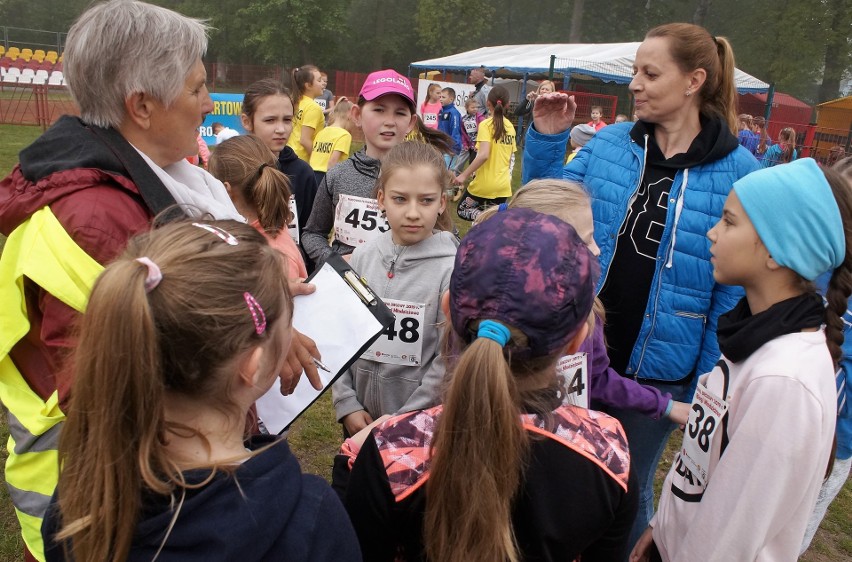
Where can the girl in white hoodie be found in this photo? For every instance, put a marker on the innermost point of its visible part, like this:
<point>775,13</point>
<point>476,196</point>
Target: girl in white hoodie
<point>759,436</point>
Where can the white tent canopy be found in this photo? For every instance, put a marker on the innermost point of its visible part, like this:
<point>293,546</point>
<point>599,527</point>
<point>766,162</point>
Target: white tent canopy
<point>609,62</point>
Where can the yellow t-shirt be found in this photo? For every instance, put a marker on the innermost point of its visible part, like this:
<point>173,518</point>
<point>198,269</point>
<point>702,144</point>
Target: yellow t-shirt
<point>494,178</point>
<point>325,143</point>
<point>308,115</point>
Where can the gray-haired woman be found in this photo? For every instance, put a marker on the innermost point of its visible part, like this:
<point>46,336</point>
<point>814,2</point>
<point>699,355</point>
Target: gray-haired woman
<point>78,194</point>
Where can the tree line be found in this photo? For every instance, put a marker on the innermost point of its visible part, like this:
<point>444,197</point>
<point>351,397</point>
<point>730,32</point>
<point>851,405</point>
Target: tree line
<point>803,46</point>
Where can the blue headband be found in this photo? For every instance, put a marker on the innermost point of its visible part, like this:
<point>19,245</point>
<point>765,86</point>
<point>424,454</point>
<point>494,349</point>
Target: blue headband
<point>796,216</point>
<point>494,331</point>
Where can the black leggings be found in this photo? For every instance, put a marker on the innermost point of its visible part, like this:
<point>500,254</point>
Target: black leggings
<point>471,206</point>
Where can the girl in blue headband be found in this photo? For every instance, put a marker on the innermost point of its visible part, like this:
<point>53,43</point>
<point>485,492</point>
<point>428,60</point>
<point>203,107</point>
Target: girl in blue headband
<point>761,427</point>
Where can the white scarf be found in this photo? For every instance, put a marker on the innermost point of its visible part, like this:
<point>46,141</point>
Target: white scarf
<point>195,190</point>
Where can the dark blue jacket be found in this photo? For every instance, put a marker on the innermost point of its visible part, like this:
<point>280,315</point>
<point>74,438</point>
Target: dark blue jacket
<point>266,510</point>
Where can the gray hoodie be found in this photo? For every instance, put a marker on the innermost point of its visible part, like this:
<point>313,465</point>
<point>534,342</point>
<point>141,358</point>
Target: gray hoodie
<point>421,274</point>
<point>354,176</point>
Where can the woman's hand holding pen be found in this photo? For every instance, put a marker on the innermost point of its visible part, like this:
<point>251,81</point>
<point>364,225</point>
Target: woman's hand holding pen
<point>303,354</point>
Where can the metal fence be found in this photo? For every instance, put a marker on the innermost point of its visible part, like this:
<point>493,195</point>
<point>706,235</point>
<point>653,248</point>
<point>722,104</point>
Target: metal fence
<point>35,104</point>
<point>32,39</point>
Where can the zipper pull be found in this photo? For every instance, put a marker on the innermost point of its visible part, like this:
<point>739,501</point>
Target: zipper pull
<point>390,271</point>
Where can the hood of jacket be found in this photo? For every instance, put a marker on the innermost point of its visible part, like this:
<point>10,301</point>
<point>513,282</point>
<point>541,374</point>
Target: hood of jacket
<point>366,165</point>
<point>67,158</point>
<point>714,142</point>
<point>441,244</point>
<point>220,521</point>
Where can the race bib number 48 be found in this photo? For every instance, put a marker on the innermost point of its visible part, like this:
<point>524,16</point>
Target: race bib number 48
<point>402,342</point>
<point>358,220</point>
<point>573,372</point>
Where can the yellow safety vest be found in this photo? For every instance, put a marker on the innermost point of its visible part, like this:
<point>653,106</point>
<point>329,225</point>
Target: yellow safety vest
<point>42,251</point>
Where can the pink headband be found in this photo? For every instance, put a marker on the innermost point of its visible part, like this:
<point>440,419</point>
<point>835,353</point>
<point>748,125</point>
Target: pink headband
<point>154,274</point>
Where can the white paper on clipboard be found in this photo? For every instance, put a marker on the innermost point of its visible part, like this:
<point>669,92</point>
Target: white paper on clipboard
<point>337,320</point>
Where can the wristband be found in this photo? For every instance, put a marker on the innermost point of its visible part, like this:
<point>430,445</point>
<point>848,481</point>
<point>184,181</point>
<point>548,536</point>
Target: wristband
<point>669,408</point>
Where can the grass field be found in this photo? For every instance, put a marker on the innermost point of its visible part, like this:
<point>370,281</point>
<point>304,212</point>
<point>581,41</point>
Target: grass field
<point>316,436</point>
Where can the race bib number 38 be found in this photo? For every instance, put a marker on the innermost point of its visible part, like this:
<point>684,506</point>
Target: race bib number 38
<point>573,370</point>
<point>705,418</point>
<point>402,342</point>
<point>358,220</point>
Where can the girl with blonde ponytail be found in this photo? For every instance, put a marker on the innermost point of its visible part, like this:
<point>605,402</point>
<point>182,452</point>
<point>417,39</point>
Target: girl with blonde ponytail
<point>182,334</point>
<point>483,477</point>
<point>261,193</point>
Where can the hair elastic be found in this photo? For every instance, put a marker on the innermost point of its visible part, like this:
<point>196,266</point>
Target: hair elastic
<point>154,276</point>
<point>502,207</point>
<point>495,331</point>
<point>499,102</point>
<point>226,236</point>
<point>256,313</point>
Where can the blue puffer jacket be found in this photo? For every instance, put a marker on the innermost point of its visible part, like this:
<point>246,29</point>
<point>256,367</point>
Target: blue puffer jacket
<point>678,336</point>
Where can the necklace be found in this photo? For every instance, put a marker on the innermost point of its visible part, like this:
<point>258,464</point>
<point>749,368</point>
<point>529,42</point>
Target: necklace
<point>394,260</point>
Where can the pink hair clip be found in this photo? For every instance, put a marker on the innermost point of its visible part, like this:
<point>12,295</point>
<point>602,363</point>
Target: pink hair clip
<point>226,236</point>
<point>256,313</point>
<point>154,276</point>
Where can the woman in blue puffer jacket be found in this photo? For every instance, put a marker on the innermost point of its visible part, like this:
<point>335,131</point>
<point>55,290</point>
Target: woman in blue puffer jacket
<point>657,187</point>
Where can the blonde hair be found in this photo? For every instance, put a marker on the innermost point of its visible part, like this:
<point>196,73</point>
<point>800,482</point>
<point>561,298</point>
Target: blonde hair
<point>340,115</point>
<point>250,167</point>
<point>135,348</point>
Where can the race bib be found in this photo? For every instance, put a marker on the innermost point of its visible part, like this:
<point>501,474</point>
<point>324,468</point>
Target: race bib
<point>358,220</point>
<point>402,342</point>
<point>321,103</point>
<point>705,418</point>
<point>471,126</point>
<point>293,227</point>
<point>573,372</point>
<point>430,119</point>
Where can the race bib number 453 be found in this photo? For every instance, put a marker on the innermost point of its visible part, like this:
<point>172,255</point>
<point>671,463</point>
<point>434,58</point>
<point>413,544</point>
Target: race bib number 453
<point>358,220</point>
<point>402,342</point>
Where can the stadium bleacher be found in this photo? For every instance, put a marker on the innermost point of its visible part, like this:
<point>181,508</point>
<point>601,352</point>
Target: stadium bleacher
<point>27,66</point>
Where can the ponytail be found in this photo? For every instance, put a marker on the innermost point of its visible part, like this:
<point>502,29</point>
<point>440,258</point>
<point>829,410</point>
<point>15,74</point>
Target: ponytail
<point>434,137</point>
<point>300,77</point>
<point>498,97</point>
<point>119,395</point>
<point>480,445</point>
<point>270,195</point>
<point>249,167</point>
<point>724,100</point>
<point>840,285</point>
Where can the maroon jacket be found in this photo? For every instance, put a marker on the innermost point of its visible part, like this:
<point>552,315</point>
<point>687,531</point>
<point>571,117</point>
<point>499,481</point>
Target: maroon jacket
<point>89,177</point>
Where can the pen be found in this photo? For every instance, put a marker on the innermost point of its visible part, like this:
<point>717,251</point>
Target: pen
<point>320,364</point>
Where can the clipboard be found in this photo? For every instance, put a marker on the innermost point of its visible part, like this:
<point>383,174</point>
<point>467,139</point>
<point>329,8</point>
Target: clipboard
<point>344,317</point>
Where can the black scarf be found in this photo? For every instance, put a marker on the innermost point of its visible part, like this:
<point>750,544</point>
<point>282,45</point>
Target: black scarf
<point>741,333</point>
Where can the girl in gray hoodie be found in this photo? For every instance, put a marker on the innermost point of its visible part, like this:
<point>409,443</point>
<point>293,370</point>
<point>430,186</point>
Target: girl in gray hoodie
<point>409,267</point>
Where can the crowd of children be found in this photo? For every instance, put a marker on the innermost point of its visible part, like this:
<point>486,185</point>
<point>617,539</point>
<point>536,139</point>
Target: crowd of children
<point>474,426</point>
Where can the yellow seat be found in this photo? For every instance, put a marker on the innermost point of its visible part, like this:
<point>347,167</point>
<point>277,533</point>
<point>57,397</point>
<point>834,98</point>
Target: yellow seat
<point>27,54</point>
<point>38,55</point>
<point>51,56</point>
<point>2,50</point>
<point>13,53</point>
